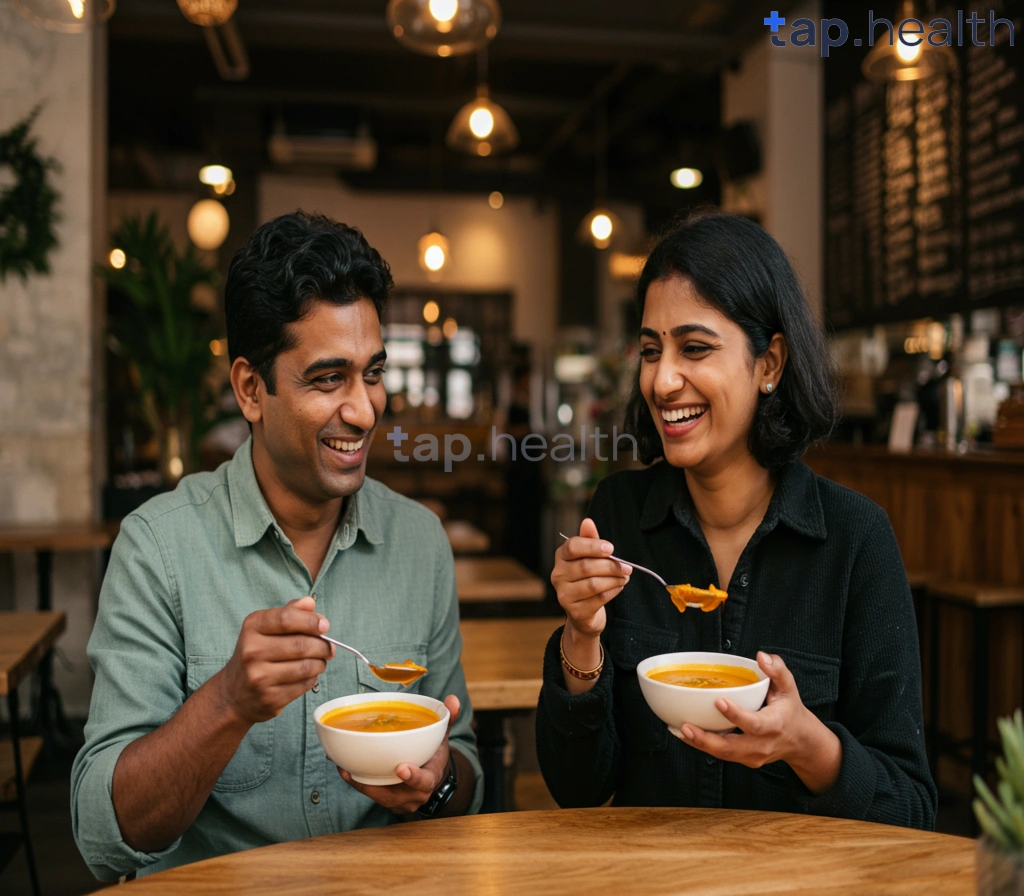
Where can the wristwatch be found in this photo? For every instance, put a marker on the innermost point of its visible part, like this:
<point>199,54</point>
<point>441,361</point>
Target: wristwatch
<point>440,797</point>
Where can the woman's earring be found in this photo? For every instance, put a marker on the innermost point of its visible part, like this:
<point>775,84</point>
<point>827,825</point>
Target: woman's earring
<point>768,387</point>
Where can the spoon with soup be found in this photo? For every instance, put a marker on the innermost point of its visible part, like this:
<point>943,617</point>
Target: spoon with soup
<point>396,673</point>
<point>683,596</point>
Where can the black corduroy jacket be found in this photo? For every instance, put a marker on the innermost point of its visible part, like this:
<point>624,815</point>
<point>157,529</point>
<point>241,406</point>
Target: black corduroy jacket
<point>820,583</point>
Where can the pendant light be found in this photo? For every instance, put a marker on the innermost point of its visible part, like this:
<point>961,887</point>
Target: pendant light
<point>482,127</point>
<point>432,250</point>
<point>601,225</point>
<point>444,27</point>
<point>70,16</point>
<point>898,61</point>
<point>208,13</point>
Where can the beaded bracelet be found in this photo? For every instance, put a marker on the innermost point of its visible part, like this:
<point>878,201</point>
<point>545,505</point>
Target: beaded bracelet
<point>580,673</point>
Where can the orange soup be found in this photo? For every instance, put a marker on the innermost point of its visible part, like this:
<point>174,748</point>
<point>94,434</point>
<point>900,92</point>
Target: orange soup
<point>704,675</point>
<point>380,715</point>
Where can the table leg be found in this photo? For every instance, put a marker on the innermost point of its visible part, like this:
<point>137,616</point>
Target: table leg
<point>490,738</point>
<point>933,688</point>
<point>48,708</point>
<point>20,784</point>
<point>980,747</point>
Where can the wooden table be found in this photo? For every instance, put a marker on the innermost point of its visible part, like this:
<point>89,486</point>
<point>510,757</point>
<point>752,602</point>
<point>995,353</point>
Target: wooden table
<point>465,538</point>
<point>25,639</point>
<point>44,541</point>
<point>647,852</point>
<point>503,660</point>
<point>488,579</point>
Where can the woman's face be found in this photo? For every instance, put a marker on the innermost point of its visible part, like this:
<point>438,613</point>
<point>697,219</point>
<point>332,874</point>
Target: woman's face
<point>698,377</point>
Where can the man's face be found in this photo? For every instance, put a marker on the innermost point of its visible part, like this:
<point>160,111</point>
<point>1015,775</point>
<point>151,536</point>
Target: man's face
<point>317,428</point>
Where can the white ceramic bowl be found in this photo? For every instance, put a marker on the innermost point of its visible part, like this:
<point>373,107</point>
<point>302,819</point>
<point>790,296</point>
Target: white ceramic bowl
<point>371,757</point>
<point>676,705</point>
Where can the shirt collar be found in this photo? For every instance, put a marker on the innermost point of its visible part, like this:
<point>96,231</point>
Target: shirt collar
<point>252,517</point>
<point>795,501</point>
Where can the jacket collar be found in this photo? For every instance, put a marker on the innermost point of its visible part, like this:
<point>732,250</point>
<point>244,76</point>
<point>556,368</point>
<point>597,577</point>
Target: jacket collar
<point>795,502</point>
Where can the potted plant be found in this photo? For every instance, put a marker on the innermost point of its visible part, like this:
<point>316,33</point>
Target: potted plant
<point>1001,816</point>
<point>165,337</point>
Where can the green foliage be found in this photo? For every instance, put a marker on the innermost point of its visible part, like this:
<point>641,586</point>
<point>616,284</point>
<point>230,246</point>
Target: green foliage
<point>1001,815</point>
<point>159,330</point>
<point>27,207</point>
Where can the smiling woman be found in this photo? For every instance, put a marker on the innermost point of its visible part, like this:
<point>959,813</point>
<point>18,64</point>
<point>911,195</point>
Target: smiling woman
<point>734,383</point>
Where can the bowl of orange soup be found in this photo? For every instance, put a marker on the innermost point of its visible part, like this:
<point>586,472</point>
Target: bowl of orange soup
<point>370,735</point>
<point>683,687</point>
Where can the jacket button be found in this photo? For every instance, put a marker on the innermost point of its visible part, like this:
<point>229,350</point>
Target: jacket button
<point>727,644</point>
<point>315,797</point>
<point>744,580</point>
<point>710,760</point>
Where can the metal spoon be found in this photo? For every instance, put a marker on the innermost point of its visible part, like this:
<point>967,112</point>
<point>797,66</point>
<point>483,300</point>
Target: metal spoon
<point>397,673</point>
<point>670,588</point>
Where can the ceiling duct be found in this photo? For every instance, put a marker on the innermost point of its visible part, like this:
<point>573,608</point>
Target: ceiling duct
<point>351,152</point>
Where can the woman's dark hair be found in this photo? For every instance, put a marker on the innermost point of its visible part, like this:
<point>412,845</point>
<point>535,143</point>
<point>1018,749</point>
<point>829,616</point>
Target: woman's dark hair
<point>287,265</point>
<point>738,269</point>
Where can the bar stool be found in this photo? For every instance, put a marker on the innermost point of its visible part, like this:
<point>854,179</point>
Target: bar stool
<point>981,599</point>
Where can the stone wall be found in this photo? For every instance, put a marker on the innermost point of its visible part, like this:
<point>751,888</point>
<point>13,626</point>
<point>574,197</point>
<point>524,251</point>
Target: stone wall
<point>48,413</point>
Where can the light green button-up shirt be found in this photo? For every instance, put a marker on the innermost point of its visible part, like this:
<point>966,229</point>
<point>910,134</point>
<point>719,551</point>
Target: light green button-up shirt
<point>185,571</point>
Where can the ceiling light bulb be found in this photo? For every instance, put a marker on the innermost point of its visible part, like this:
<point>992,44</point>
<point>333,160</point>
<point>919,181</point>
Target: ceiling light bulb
<point>117,258</point>
<point>481,122</point>
<point>601,227</point>
<point>215,175</point>
<point>906,52</point>
<point>686,178</point>
<point>433,258</point>
<point>433,253</point>
<point>77,8</point>
<point>444,10</point>
<point>431,311</point>
<point>496,200</point>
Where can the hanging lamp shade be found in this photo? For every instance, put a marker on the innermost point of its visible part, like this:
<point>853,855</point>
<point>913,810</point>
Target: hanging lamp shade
<point>70,16</point>
<point>444,27</point>
<point>899,61</point>
<point>208,224</point>
<point>482,128</point>
<point>208,13</point>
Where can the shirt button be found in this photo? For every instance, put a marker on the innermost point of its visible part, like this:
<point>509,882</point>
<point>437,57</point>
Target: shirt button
<point>744,580</point>
<point>315,797</point>
<point>313,595</point>
<point>728,644</point>
<point>316,688</point>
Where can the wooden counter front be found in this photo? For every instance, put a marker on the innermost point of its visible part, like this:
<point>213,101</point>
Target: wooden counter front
<point>956,517</point>
<point>960,516</point>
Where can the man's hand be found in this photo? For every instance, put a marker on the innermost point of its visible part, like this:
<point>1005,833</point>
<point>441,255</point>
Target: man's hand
<point>783,729</point>
<point>417,783</point>
<point>278,657</point>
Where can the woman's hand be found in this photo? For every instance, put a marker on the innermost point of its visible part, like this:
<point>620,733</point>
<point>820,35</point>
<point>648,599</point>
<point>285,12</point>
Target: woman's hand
<point>585,580</point>
<point>782,730</point>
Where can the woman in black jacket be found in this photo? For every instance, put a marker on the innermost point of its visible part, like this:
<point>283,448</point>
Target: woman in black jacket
<point>735,382</point>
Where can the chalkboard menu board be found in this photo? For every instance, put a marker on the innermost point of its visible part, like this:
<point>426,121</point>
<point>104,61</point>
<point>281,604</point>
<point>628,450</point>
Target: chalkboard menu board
<point>924,180</point>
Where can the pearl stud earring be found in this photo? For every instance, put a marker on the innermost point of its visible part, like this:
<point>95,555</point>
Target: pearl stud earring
<point>768,387</point>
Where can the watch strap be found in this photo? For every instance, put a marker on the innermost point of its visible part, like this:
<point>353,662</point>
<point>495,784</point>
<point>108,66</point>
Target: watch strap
<point>445,791</point>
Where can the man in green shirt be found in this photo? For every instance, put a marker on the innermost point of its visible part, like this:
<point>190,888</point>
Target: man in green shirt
<point>200,739</point>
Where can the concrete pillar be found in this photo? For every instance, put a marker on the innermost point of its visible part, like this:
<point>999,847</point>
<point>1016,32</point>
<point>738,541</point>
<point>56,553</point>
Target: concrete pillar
<point>781,90</point>
<point>49,331</point>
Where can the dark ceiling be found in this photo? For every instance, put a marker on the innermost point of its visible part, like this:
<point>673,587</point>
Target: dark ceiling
<point>332,65</point>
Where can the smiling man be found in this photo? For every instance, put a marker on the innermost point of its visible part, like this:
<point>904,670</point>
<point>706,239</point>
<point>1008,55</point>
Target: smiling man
<point>206,649</point>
